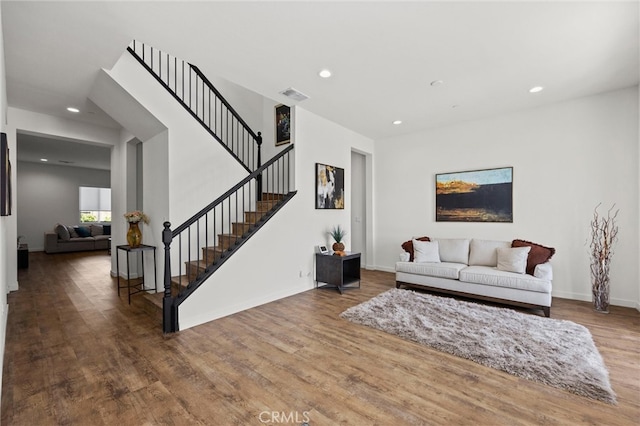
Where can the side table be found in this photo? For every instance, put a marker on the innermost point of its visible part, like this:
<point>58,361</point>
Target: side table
<point>23,256</point>
<point>136,287</point>
<point>339,272</point>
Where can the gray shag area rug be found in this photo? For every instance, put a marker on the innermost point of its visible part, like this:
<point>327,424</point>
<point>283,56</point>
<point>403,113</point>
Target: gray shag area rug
<point>554,352</point>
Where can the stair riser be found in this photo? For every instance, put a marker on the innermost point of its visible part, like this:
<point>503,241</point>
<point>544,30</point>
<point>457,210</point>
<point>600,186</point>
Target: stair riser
<point>226,241</point>
<point>240,228</point>
<point>177,285</point>
<point>211,254</point>
<point>192,271</point>
<point>265,206</point>
<point>269,196</point>
<point>252,217</point>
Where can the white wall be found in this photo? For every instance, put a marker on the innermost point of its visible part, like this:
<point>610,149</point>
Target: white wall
<point>268,267</point>
<point>7,245</point>
<point>48,194</point>
<point>567,158</point>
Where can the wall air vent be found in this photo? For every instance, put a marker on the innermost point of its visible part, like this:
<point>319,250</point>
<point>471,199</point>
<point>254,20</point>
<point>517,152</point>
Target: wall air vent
<point>292,93</point>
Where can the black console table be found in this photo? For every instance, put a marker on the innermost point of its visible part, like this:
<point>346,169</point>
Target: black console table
<point>339,272</point>
<point>133,288</point>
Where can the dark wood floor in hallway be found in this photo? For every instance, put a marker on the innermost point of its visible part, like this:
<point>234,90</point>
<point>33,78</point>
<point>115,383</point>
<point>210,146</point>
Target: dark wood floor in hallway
<point>77,354</point>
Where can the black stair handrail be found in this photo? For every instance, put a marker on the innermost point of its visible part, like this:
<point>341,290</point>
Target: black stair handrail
<point>195,92</point>
<point>277,182</point>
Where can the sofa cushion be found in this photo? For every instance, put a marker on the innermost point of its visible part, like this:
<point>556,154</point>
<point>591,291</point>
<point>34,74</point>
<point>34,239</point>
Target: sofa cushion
<point>455,250</point>
<point>483,252</point>
<point>442,270</point>
<point>96,230</point>
<point>81,240</point>
<point>408,246</point>
<point>83,231</point>
<point>63,232</point>
<point>513,259</point>
<point>538,254</point>
<point>492,276</point>
<point>72,231</point>
<point>425,251</point>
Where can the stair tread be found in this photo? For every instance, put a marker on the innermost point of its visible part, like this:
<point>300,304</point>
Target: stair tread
<point>198,263</point>
<point>180,279</point>
<point>155,299</point>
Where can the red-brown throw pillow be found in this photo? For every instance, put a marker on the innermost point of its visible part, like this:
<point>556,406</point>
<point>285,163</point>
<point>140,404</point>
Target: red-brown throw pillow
<point>408,246</point>
<point>538,254</point>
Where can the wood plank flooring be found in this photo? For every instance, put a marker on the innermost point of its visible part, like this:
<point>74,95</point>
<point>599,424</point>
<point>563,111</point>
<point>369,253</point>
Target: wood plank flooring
<point>77,354</point>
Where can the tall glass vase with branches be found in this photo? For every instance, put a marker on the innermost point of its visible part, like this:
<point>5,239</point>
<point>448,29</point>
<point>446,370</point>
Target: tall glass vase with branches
<point>604,235</point>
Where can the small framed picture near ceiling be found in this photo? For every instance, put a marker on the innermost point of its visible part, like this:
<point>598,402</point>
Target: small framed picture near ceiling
<point>475,196</point>
<point>329,187</point>
<point>283,124</point>
<point>5,177</point>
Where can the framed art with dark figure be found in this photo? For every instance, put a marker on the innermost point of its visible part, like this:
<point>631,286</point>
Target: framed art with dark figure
<point>329,187</point>
<point>283,124</point>
<point>5,177</point>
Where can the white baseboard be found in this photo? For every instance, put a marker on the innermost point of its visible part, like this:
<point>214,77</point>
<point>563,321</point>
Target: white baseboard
<point>587,298</point>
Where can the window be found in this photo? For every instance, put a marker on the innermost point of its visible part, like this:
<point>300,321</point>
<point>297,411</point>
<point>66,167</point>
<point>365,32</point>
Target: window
<point>95,204</point>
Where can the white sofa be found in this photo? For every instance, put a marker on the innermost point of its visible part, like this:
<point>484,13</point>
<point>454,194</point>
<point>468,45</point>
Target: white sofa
<point>481,269</point>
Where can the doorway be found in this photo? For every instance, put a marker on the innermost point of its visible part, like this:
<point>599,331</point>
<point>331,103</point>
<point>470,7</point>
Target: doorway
<point>359,191</point>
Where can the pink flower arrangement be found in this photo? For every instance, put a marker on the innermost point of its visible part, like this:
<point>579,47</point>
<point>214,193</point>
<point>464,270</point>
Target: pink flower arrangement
<point>136,216</point>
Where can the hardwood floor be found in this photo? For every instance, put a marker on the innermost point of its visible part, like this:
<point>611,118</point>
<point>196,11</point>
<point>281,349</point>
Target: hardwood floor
<point>77,354</point>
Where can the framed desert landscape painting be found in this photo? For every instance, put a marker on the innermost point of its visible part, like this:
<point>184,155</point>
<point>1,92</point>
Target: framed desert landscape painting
<point>475,196</point>
<point>329,187</point>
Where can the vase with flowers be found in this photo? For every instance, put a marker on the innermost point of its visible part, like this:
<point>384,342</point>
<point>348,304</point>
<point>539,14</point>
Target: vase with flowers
<point>338,233</point>
<point>134,234</point>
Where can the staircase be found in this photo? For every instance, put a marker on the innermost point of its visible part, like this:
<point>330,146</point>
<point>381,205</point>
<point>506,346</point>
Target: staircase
<point>226,242</point>
<point>213,255</point>
<point>201,245</point>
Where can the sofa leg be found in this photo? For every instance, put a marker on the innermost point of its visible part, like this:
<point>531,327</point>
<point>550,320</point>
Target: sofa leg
<point>547,311</point>
<point>397,284</point>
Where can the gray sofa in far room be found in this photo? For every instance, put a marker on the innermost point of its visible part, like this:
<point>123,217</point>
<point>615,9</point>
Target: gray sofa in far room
<point>65,239</point>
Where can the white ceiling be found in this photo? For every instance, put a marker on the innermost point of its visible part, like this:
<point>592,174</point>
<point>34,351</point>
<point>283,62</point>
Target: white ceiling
<point>33,148</point>
<point>383,55</point>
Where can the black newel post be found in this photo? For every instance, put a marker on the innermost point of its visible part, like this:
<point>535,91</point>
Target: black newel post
<point>169,314</point>
<point>259,177</point>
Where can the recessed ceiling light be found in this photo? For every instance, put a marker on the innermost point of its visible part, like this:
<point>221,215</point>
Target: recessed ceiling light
<point>436,82</point>
<point>44,160</point>
<point>72,109</point>
<point>397,122</point>
<point>536,89</point>
<point>324,73</point>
